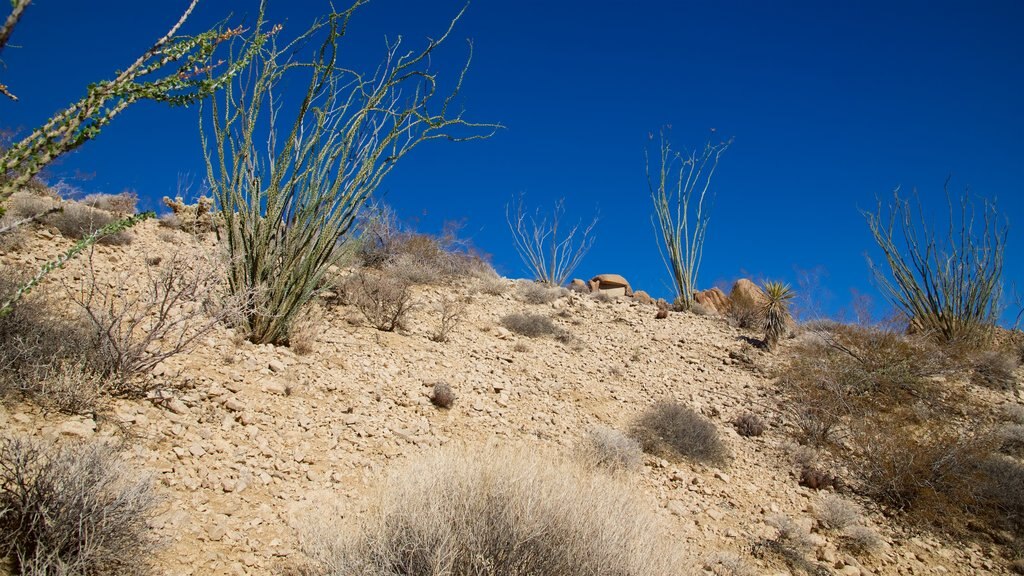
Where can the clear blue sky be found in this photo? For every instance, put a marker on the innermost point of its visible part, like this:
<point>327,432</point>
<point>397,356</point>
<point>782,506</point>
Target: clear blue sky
<point>831,104</point>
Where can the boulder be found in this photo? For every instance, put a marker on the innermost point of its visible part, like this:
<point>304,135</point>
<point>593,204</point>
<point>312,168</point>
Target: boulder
<point>713,299</point>
<point>605,282</point>
<point>578,285</point>
<point>746,294</point>
<point>643,297</point>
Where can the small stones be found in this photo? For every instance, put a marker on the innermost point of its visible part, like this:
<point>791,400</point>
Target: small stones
<point>234,404</point>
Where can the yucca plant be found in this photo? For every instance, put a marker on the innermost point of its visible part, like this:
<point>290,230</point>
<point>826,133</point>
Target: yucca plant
<point>775,311</point>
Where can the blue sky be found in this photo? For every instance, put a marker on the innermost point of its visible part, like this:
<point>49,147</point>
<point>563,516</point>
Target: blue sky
<point>830,103</point>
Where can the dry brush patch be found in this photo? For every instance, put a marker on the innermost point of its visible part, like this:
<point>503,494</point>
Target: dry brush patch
<point>670,429</point>
<point>491,511</point>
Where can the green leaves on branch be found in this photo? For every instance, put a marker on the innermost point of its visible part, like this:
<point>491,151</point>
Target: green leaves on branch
<point>680,192</point>
<point>288,194</point>
<point>176,70</point>
<point>947,285</point>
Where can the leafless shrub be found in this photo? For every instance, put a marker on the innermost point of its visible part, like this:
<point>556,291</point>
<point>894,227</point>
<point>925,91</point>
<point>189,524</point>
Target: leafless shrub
<point>303,330</point>
<point>745,315</point>
<point>496,512</point>
<point>72,509</point>
<point>537,293</point>
<point>442,395</point>
<point>817,419</point>
<point>548,250</point>
<point>70,386</point>
<point>800,455</point>
<point>749,424</point>
<point>673,430</point>
<point>861,539</point>
<point>136,331</point>
<point>122,204</point>
<point>78,221</point>
<point>836,513</point>
<point>384,300</point>
<point>451,313</point>
<point>995,369</point>
<point>609,448</point>
<point>532,325</point>
<point>791,535</point>
<point>521,347</point>
<point>493,285</point>
<point>1014,413</point>
<point>1011,439</point>
<point>1002,490</point>
<point>603,297</point>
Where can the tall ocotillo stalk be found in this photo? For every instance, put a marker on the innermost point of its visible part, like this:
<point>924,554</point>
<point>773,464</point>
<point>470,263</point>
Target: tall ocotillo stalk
<point>680,192</point>
<point>17,9</point>
<point>176,70</point>
<point>287,200</point>
<point>948,287</point>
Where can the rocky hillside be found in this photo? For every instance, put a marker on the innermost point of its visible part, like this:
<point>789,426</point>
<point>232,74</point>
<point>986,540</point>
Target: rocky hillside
<point>243,441</point>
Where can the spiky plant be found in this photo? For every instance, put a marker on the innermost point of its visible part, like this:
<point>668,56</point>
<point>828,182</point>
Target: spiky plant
<point>775,312</point>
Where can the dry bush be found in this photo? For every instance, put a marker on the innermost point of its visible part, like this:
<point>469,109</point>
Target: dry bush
<point>469,512</point>
<point>135,331</point>
<point>451,312</point>
<point>44,355</point>
<point>442,395</point>
<point>603,297</point>
<point>78,221</point>
<point>836,513</point>
<point>749,424</point>
<point>1014,413</point>
<point>1011,439</point>
<point>670,429</point>
<point>531,325</point>
<point>728,564</point>
<point>23,205</point>
<point>995,369</point>
<point>861,539</point>
<point>793,544</point>
<point>1002,490</point>
<point>537,293</point>
<point>745,315</point>
<point>384,300</point>
<point>701,310</point>
<point>123,204</point>
<point>609,448</point>
<point>303,330</point>
<point>72,509</point>
<point>493,285</point>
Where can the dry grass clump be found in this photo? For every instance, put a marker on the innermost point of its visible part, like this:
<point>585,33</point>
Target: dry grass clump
<point>728,564</point>
<point>670,429</point>
<point>836,513</point>
<point>72,509</point>
<point>442,395</point>
<point>78,221</point>
<point>610,448</point>
<point>493,285</point>
<point>1011,439</point>
<point>538,293</point>
<point>469,512</point>
<point>123,204</point>
<point>995,369</point>
<point>384,300</point>
<point>793,543</point>
<point>531,325</point>
<point>749,424</point>
<point>861,539</point>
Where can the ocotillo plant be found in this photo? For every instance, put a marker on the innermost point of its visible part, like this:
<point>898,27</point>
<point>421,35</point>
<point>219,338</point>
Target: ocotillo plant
<point>176,70</point>
<point>775,312</point>
<point>288,200</point>
<point>550,252</point>
<point>948,286</point>
<point>680,192</point>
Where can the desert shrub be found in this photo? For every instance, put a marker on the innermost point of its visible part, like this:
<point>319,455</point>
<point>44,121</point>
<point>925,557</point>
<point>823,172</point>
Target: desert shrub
<point>746,315</point>
<point>122,204</point>
<point>948,284</point>
<point>442,395</point>
<point>1014,413</point>
<point>466,512</point>
<point>836,513</point>
<point>384,300</point>
<point>72,509</point>
<point>670,429</point>
<point>135,331</point>
<point>78,221</point>
<point>537,293</point>
<point>603,297</point>
<point>451,312</point>
<point>861,539</point>
<point>45,356</point>
<point>775,312</point>
<point>611,449</point>
<point>493,285</point>
<point>197,218</point>
<point>1011,439</point>
<point>1002,488</point>
<point>302,334</point>
<point>701,310</point>
<point>995,369</point>
<point>532,325</point>
<point>548,250</point>
<point>792,543</point>
<point>728,564</point>
<point>749,425</point>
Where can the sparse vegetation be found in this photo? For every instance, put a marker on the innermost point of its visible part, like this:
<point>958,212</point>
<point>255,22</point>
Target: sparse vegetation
<point>384,300</point>
<point>775,312</point>
<point>122,204</point>
<point>451,311</point>
<point>548,251</point>
<point>670,429</point>
<point>749,424</point>
<point>538,293</point>
<point>836,513</point>
<point>531,325</point>
<point>947,284</point>
<point>496,512</point>
<point>72,509</point>
<point>442,395</point>
<point>610,448</point>
<point>78,221</point>
<point>679,190</point>
<point>995,369</point>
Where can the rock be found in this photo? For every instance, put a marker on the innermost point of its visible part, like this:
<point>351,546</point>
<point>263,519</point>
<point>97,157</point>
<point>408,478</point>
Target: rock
<point>677,508</point>
<point>196,450</point>
<point>177,406</point>
<point>579,286</point>
<point>613,284</point>
<point>235,405</point>
<point>276,366</point>
<point>713,299</point>
<point>746,294</point>
<point>78,428</point>
<point>275,387</point>
<point>643,297</point>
